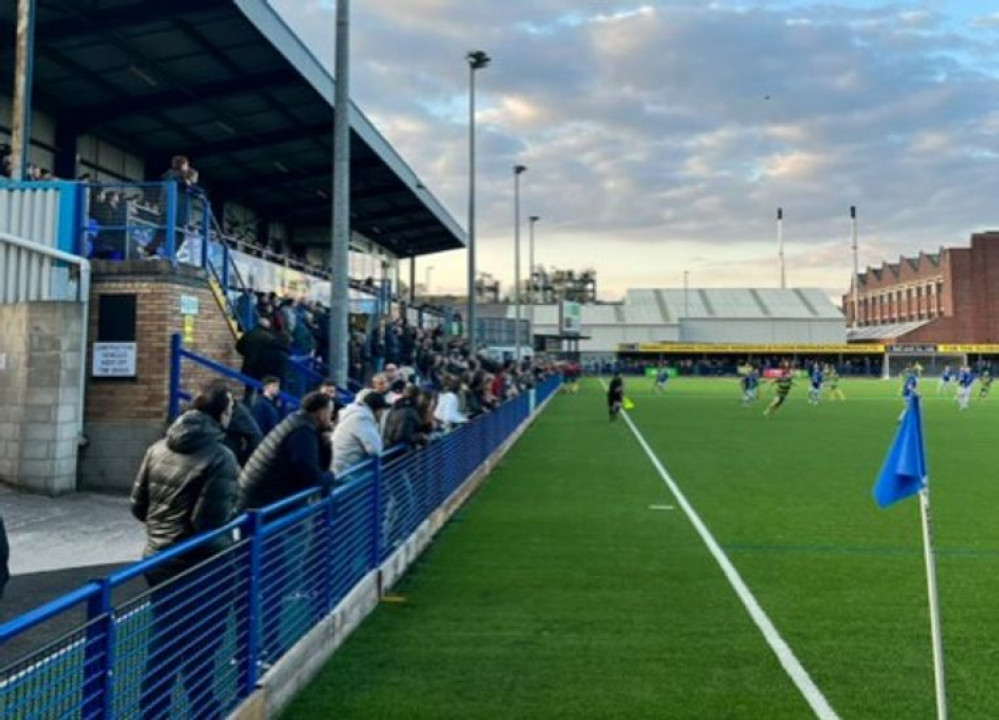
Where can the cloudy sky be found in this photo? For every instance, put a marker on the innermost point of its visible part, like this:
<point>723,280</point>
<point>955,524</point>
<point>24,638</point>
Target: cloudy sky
<point>662,136</point>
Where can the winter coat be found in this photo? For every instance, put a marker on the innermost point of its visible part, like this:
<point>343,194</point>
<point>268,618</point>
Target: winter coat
<point>186,485</point>
<point>403,425</point>
<point>267,414</point>
<point>263,353</point>
<point>356,438</point>
<point>243,434</point>
<point>286,463</point>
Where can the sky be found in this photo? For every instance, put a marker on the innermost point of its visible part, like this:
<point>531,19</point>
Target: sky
<point>661,137</point>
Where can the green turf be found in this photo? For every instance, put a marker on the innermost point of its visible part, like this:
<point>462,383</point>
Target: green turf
<point>558,592</point>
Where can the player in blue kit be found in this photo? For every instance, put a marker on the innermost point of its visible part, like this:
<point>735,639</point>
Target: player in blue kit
<point>965,380</point>
<point>945,379</point>
<point>662,378</point>
<point>815,390</point>
<point>749,384</point>
<point>910,387</point>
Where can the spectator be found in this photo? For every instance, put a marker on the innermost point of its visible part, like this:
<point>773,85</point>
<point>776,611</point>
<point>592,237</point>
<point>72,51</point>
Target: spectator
<point>357,436</point>
<point>447,412</point>
<point>246,310</point>
<point>186,486</point>
<point>186,483</point>
<point>288,460</point>
<point>263,352</point>
<point>405,423</point>
<point>242,435</point>
<point>185,178</point>
<point>265,410</point>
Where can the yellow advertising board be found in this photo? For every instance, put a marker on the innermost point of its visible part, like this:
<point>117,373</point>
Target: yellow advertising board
<point>974,349</point>
<point>694,349</point>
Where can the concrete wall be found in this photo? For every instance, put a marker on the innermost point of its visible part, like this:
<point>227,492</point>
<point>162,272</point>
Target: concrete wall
<point>40,395</point>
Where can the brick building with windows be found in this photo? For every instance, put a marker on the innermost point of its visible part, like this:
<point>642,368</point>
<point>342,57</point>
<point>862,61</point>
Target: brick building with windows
<point>947,297</point>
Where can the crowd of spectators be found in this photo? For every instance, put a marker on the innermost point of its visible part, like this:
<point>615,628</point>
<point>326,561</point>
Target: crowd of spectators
<point>223,455</point>
<point>34,174</point>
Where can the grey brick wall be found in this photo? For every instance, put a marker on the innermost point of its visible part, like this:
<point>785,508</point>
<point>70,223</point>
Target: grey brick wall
<point>39,395</point>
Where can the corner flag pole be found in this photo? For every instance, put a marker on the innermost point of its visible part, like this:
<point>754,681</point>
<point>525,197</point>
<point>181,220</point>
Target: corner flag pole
<point>904,474</point>
<point>934,598</point>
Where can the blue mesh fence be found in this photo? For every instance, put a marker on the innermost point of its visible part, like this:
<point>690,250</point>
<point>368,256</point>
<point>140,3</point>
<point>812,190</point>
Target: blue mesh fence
<point>156,642</point>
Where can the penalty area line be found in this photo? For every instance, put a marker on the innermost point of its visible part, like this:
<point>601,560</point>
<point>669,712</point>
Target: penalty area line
<point>788,660</point>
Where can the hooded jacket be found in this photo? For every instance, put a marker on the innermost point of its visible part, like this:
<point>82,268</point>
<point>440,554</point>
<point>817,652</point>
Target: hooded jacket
<point>186,486</point>
<point>356,438</point>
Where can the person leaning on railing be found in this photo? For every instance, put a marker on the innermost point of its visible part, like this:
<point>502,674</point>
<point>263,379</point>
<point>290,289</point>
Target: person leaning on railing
<point>186,484</point>
<point>288,460</point>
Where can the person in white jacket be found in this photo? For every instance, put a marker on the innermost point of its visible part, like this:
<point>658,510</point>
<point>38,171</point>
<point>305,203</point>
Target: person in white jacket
<point>358,435</point>
<point>448,411</point>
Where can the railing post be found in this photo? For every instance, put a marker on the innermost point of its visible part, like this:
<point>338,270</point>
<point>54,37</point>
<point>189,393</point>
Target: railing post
<point>175,348</point>
<point>329,552</point>
<point>225,269</point>
<point>170,226</point>
<point>253,618</point>
<point>378,541</point>
<point>99,656</point>
<point>206,229</point>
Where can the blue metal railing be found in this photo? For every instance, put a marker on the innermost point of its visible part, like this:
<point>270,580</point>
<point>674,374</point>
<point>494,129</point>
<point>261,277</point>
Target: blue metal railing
<point>177,394</point>
<point>195,644</point>
<point>305,374</point>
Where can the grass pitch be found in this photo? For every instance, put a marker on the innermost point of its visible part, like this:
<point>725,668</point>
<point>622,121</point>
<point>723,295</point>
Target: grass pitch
<point>559,592</point>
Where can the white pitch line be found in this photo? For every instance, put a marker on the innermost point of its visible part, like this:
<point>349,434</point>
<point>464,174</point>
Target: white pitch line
<point>661,507</point>
<point>788,660</point>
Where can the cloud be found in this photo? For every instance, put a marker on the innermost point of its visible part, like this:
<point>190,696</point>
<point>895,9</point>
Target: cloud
<point>656,128</point>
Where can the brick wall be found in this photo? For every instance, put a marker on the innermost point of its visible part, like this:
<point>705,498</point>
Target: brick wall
<point>40,395</point>
<point>968,284</point>
<point>123,417</point>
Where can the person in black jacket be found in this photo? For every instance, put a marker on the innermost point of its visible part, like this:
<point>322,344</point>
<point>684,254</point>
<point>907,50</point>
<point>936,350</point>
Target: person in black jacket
<point>265,410</point>
<point>243,435</point>
<point>287,461</point>
<point>186,486</point>
<point>264,353</point>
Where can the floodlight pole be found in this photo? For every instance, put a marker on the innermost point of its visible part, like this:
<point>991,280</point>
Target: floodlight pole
<point>530,274</point>
<point>340,250</point>
<point>518,170</point>
<point>686,293</point>
<point>856,269</point>
<point>23,82</point>
<point>780,247</point>
<point>477,60</point>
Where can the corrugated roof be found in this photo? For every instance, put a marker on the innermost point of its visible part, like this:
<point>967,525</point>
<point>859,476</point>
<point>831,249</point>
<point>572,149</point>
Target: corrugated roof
<point>885,332</point>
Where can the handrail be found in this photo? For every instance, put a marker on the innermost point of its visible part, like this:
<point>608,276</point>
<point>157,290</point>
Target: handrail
<point>33,618</point>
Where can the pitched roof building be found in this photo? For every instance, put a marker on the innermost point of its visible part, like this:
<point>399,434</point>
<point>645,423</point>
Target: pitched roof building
<point>951,296</point>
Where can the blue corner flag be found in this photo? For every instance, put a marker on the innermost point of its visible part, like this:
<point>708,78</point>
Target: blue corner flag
<point>904,470</point>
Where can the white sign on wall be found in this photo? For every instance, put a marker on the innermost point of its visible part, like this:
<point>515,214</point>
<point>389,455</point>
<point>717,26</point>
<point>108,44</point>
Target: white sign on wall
<point>188,305</point>
<point>114,360</point>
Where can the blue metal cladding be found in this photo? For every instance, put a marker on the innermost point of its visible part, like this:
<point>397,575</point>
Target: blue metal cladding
<point>194,645</point>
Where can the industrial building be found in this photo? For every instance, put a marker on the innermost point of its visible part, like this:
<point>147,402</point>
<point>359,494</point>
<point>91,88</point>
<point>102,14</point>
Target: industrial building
<point>704,316</point>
